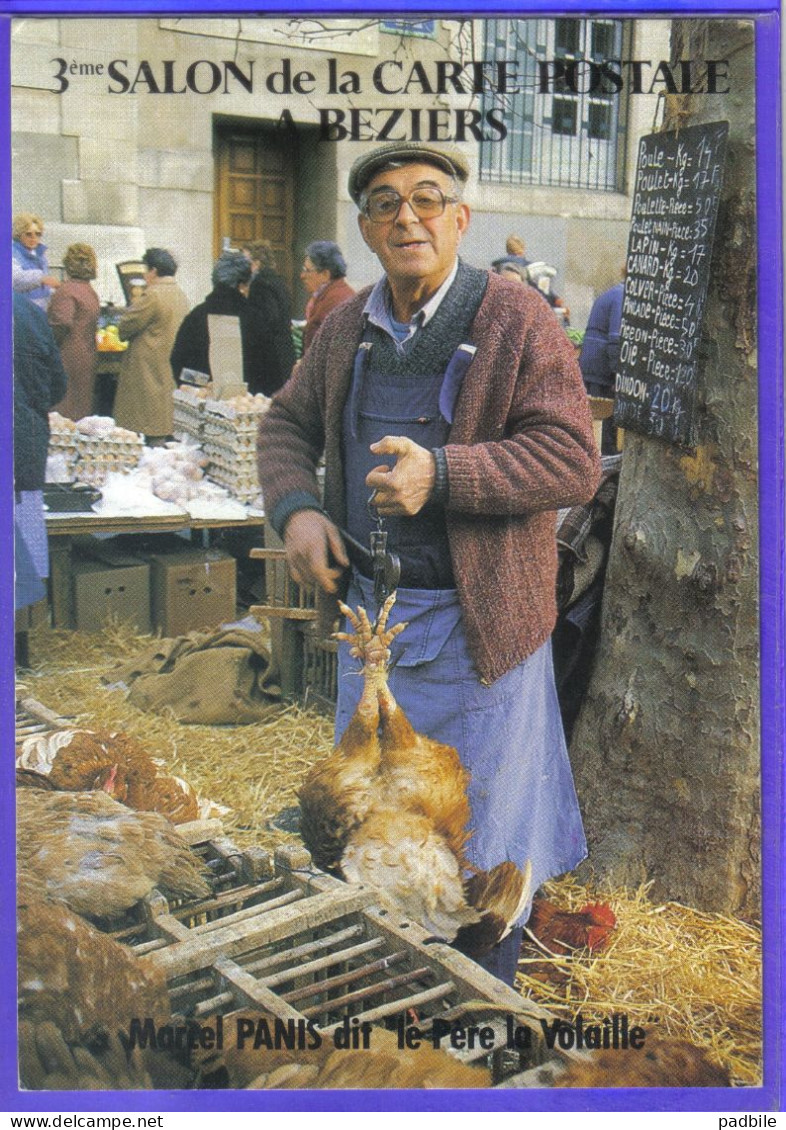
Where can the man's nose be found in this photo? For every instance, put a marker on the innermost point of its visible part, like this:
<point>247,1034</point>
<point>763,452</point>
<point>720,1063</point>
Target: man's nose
<point>403,218</point>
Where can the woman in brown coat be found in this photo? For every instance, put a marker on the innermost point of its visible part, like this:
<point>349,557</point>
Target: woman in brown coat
<point>73,316</point>
<point>144,389</point>
<point>323,277</point>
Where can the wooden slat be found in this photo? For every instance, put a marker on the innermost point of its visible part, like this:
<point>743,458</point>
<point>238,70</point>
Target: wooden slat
<point>40,714</point>
<point>200,950</point>
<point>283,612</point>
<point>249,993</point>
<point>248,913</point>
<point>335,957</point>
<point>348,977</point>
<point>394,1008</point>
<point>306,950</point>
<point>214,1004</point>
<point>261,553</point>
<point>228,898</point>
<point>374,990</point>
<point>198,831</point>
<point>472,981</point>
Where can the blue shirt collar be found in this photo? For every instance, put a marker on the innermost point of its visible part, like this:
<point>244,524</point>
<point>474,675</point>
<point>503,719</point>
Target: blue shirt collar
<point>378,309</point>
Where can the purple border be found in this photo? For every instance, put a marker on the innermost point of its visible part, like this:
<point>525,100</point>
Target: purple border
<point>769,1097</point>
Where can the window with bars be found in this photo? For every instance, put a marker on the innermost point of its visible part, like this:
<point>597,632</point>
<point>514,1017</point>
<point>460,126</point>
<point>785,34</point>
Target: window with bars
<point>571,134</point>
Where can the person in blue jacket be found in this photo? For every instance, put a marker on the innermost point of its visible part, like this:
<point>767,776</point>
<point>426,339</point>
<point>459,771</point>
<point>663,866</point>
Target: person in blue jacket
<point>40,381</point>
<point>600,350</point>
<point>600,354</point>
<point>30,275</point>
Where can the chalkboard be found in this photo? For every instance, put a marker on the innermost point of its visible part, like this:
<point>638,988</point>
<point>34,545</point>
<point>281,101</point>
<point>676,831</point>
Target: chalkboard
<point>675,205</point>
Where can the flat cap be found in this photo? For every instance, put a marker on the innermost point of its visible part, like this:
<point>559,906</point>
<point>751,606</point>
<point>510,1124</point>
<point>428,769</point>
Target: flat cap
<point>446,157</point>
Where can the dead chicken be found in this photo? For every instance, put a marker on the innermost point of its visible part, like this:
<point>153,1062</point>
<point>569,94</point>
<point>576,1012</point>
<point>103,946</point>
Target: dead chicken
<point>78,760</point>
<point>98,856</point>
<point>389,808</point>
<point>78,990</point>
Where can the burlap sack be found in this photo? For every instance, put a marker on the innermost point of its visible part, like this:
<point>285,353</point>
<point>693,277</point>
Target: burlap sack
<point>210,678</point>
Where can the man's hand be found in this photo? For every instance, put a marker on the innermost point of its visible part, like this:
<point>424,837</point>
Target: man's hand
<point>407,486</point>
<point>311,539</point>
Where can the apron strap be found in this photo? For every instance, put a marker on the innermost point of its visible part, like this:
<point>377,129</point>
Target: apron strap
<point>454,376</point>
<point>359,370</point>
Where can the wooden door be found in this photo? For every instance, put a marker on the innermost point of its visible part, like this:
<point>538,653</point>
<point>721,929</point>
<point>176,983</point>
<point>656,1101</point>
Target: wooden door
<point>255,192</point>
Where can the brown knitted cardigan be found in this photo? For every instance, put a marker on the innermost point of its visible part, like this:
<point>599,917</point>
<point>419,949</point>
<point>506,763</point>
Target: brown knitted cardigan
<point>520,447</point>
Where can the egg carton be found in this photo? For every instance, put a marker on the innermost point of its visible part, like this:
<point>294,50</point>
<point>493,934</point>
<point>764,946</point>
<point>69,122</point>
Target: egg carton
<point>242,453</point>
<point>240,464</point>
<point>332,955</point>
<point>192,396</point>
<point>231,437</point>
<point>246,494</point>
<point>88,447</point>
<point>243,411</point>
<point>244,477</point>
<point>93,470</point>
<point>244,474</point>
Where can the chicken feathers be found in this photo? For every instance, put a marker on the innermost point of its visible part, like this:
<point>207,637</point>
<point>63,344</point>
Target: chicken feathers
<point>99,857</point>
<point>82,760</point>
<point>389,808</point>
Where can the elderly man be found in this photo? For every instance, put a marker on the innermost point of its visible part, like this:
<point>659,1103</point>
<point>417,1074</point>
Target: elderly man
<point>452,395</point>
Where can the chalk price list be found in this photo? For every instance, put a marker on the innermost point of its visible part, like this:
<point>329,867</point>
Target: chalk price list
<point>675,205</point>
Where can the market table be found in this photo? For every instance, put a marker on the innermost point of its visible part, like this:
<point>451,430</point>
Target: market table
<point>64,527</point>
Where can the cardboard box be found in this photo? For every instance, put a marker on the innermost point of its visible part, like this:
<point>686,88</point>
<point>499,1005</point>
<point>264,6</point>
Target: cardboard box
<point>192,589</point>
<point>104,589</point>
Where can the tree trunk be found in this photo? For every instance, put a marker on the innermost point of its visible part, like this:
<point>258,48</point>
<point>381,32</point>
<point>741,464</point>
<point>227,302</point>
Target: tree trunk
<point>666,748</point>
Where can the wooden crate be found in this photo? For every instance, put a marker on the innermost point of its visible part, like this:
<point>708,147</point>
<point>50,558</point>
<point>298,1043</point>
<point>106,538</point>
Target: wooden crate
<point>32,717</point>
<point>314,949</point>
<point>319,679</point>
<point>307,664</point>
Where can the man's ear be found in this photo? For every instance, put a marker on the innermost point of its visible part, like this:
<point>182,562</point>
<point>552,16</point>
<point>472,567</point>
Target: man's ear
<point>462,218</point>
<point>363,223</point>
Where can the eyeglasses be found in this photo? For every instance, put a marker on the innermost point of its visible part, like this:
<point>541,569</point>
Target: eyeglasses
<point>385,204</point>
<point>34,232</point>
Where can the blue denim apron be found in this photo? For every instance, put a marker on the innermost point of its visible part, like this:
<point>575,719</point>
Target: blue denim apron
<point>509,735</point>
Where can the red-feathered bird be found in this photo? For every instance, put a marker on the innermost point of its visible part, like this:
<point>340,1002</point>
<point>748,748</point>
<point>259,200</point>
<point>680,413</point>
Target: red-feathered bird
<point>389,808</point>
<point>562,931</point>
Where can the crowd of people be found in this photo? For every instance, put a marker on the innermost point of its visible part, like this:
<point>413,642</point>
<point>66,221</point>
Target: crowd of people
<point>166,340</point>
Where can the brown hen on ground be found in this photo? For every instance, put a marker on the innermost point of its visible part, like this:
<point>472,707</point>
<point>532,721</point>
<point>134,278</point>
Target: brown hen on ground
<point>389,808</point>
<point>562,931</point>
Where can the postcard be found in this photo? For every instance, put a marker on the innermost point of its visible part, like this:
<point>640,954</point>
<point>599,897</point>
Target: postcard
<point>308,301</point>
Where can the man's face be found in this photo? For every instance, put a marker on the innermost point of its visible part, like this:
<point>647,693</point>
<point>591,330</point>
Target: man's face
<point>412,249</point>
